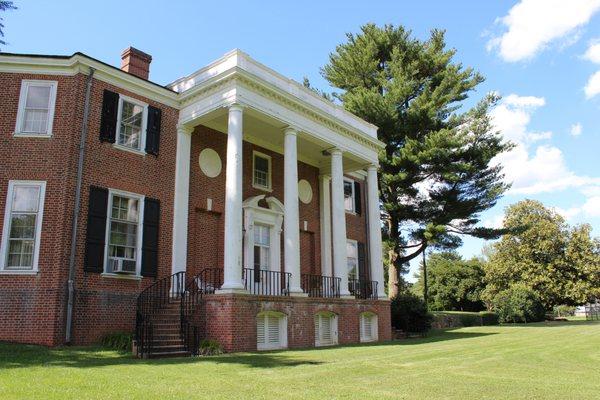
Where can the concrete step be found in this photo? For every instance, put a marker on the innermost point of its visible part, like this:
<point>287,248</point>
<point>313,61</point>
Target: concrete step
<point>169,354</point>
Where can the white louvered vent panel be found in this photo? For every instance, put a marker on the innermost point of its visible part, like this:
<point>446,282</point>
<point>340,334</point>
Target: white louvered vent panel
<point>326,328</point>
<point>367,327</point>
<point>260,330</point>
<point>273,334</point>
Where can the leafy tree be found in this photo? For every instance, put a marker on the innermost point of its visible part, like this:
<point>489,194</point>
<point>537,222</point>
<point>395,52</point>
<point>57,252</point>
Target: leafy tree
<point>435,175</point>
<point>518,303</point>
<point>561,265</point>
<point>5,6</point>
<point>454,284</point>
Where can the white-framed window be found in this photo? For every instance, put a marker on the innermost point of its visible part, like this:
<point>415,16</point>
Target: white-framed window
<point>352,258</point>
<point>271,330</point>
<point>131,124</point>
<point>124,233</point>
<point>368,327</point>
<point>261,171</point>
<point>36,108</point>
<point>326,329</point>
<point>23,216</point>
<point>349,205</point>
<point>262,246</point>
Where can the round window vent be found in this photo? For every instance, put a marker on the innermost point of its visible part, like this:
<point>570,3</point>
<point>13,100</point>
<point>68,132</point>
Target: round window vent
<point>210,163</point>
<point>305,192</point>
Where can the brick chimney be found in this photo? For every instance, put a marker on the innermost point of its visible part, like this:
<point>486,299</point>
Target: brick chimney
<point>136,62</point>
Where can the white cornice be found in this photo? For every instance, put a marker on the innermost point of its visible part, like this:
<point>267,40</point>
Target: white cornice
<point>79,63</point>
<point>237,63</point>
<point>223,77</point>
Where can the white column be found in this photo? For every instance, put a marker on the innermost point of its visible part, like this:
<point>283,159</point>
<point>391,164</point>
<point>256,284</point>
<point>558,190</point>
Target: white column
<point>374,221</point>
<point>338,227</point>
<point>232,252</point>
<point>291,219</point>
<point>181,199</point>
<point>325,216</point>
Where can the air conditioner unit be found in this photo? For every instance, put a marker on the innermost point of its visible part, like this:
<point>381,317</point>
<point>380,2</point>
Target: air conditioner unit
<point>122,266</point>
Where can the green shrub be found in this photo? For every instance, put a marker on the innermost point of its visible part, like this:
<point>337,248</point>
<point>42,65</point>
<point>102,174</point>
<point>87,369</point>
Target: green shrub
<point>469,319</point>
<point>518,304</point>
<point>210,348</point>
<point>489,318</point>
<point>409,313</point>
<point>118,341</point>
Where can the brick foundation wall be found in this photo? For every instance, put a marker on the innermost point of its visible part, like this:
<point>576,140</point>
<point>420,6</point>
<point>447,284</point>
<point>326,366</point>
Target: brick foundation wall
<point>230,319</point>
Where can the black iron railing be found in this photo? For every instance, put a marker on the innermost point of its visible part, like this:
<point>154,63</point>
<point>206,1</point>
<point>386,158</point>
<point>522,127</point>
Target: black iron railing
<point>363,289</point>
<point>266,283</point>
<point>149,302</point>
<point>320,286</point>
<point>206,282</point>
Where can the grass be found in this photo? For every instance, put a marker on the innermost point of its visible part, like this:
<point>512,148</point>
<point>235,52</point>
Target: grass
<point>558,360</point>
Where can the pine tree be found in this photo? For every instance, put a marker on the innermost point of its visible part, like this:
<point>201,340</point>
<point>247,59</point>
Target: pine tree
<point>4,6</point>
<point>435,171</point>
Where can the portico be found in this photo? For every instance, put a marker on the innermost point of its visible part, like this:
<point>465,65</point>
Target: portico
<point>248,102</point>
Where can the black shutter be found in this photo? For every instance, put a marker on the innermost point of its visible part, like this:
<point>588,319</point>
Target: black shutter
<point>153,130</point>
<point>150,237</point>
<point>362,262</point>
<point>108,120</point>
<point>357,198</point>
<point>96,230</point>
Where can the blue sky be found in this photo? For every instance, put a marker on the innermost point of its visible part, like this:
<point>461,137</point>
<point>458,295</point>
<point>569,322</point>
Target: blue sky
<point>543,56</point>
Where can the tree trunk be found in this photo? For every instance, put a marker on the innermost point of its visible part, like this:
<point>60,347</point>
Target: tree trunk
<point>425,287</point>
<point>393,255</point>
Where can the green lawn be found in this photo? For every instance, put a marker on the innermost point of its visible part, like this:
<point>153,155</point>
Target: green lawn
<point>559,360</point>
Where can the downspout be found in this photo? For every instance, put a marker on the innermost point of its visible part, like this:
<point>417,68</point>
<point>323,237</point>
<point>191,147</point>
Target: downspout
<point>73,253</point>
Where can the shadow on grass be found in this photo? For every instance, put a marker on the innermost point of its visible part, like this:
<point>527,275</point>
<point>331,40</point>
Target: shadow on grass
<point>25,356</point>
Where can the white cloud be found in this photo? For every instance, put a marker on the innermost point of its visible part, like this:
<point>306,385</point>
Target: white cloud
<point>576,129</point>
<point>495,222</point>
<point>531,25</point>
<point>513,115</point>
<point>589,209</point>
<point>531,171</point>
<point>593,52</point>
<point>592,88</point>
<point>524,101</point>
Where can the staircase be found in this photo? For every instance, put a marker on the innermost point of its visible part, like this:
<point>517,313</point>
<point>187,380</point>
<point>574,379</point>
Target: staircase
<point>167,340</point>
<point>164,326</point>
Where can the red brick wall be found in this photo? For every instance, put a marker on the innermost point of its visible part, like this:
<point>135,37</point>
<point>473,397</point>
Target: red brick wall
<point>231,319</point>
<point>33,306</point>
<point>107,304</point>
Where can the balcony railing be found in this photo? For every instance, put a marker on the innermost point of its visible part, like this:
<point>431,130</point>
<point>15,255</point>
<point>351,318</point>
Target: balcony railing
<point>266,283</point>
<point>320,286</point>
<point>363,289</point>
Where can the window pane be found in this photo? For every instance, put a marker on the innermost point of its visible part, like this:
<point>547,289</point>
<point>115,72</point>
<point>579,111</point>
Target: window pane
<point>131,125</point>
<point>25,198</point>
<point>20,254</point>
<point>351,249</point>
<point>261,164</point>
<point>349,196</point>
<point>123,230</point>
<point>38,97</point>
<point>261,171</point>
<point>22,226</point>
<point>261,235</point>
<point>124,208</point>
<point>35,121</point>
